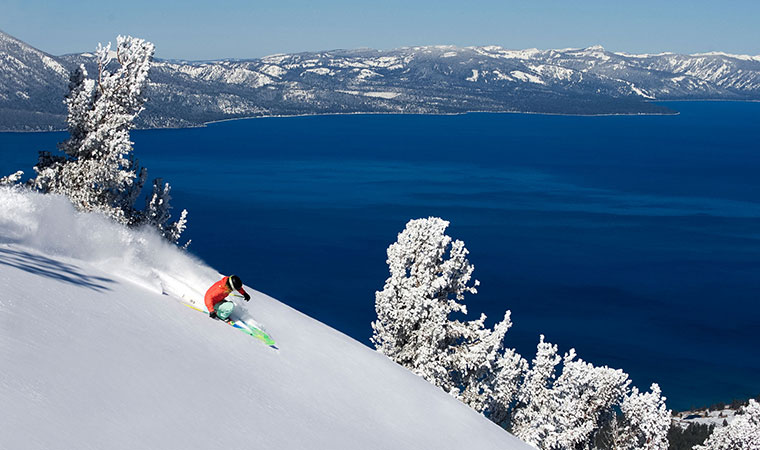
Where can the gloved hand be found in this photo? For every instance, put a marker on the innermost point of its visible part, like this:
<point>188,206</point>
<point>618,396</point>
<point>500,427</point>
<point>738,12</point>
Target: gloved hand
<point>212,314</point>
<point>246,296</point>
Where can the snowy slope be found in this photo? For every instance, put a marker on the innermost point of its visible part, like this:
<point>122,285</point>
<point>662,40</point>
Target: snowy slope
<point>97,351</point>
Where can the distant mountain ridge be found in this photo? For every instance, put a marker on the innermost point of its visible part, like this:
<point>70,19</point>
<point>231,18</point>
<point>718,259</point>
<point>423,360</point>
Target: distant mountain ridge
<point>425,80</point>
<point>32,86</point>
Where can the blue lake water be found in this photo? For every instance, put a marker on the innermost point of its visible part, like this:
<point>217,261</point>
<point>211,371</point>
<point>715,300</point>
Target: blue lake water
<point>634,239</point>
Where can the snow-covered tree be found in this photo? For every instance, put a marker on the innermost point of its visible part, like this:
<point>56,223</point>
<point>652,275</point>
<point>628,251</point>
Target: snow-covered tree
<point>743,433</point>
<point>535,404</point>
<point>429,275</point>
<point>644,422</point>
<point>585,395</point>
<point>424,287</point>
<point>11,179</point>
<point>565,412</point>
<point>97,170</point>
<point>485,374</point>
<point>80,101</point>
<point>510,368</point>
<point>157,212</point>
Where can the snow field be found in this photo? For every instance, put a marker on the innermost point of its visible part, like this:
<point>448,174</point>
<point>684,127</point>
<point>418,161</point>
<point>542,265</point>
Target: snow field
<point>97,351</point>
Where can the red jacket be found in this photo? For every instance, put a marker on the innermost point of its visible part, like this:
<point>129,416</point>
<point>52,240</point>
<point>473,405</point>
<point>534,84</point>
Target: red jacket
<point>218,292</point>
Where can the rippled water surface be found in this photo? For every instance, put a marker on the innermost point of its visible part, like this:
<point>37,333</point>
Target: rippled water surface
<point>634,239</point>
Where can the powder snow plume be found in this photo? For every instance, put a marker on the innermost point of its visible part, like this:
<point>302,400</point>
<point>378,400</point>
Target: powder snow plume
<point>51,225</point>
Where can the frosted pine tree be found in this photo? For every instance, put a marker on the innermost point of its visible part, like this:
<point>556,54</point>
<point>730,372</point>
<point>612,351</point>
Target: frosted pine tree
<point>565,412</point>
<point>531,416</point>
<point>50,176</point>
<point>743,433</point>
<point>157,212</point>
<point>584,395</point>
<point>485,373</point>
<point>79,102</point>
<point>97,170</point>
<point>424,287</point>
<point>644,422</point>
<point>510,368</point>
<point>429,275</point>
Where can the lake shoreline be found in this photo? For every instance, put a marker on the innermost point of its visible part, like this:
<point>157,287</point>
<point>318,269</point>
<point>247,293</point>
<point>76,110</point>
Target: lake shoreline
<point>380,113</point>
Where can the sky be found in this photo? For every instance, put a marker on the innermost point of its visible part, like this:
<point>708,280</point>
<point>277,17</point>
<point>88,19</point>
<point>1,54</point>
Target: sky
<point>197,30</point>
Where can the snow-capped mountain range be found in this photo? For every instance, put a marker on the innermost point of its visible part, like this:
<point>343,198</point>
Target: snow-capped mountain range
<point>432,79</point>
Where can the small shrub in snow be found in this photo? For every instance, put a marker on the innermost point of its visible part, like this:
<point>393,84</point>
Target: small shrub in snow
<point>11,179</point>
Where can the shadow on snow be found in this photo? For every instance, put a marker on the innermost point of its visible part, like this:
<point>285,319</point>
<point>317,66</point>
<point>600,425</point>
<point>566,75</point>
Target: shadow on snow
<point>40,265</point>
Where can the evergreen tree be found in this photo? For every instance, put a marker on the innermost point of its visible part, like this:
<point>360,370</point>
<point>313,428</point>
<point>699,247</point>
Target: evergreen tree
<point>157,212</point>
<point>509,370</point>
<point>585,395</point>
<point>485,374</point>
<point>645,421</point>
<point>743,433</point>
<point>429,275</point>
<point>97,170</point>
<point>565,411</point>
<point>424,287</point>
<point>535,404</point>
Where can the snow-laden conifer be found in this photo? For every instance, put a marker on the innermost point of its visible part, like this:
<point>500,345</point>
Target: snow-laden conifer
<point>644,421</point>
<point>535,403</point>
<point>584,395</point>
<point>158,212</point>
<point>485,374</point>
<point>565,411</point>
<point>553,403</point>
<point>510,368</point>
<point>424,287</point>
<point>743,433</point>
<point>97,170</point>
<point>79,102</point>
<point>429,275</point>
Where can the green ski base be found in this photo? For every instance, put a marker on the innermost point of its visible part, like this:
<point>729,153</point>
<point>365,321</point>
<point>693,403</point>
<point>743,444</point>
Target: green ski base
<point>250,330</point>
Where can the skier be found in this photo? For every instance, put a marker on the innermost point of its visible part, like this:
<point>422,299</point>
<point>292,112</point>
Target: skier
<point>218,292</point>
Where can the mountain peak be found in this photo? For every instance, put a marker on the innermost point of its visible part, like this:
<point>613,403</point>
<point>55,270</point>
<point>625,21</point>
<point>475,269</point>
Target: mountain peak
<point>595,48</point>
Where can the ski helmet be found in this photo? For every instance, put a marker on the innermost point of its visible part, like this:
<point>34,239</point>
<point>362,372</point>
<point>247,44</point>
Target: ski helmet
<point>234,282</point>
